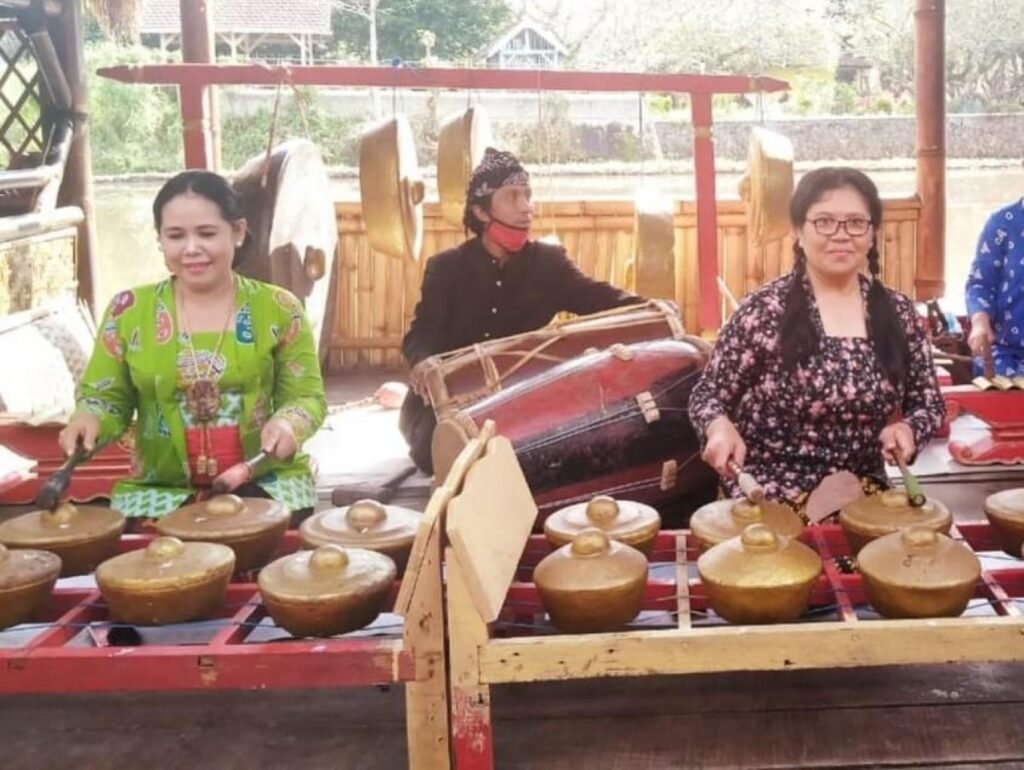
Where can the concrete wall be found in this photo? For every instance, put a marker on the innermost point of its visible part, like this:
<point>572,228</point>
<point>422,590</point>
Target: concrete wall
<point>604,126</point>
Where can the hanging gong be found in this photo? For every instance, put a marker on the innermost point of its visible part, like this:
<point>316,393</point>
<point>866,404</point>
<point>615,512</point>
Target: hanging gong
<point>293,228</point>
<point>768,186</point>
<point>654,266</point>
<point>460,148</point>
<point>391,189</point>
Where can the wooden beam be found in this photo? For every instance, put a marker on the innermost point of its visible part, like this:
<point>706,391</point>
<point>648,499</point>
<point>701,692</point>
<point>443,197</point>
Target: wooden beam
<point>76,189</point>
<point>930,107</point>
<point>707,214</point>
<point>198,46</point>
<point>762,648</point>
<point>441,77</point>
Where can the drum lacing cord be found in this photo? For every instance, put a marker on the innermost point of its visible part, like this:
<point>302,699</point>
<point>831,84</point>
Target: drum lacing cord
<point>559,325</point>
<point>624,413</point>
<point>543,379</point>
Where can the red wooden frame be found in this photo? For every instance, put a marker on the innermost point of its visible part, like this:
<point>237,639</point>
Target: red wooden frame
<point>91,480</point>
<point>193,81</point>
<point>837,594</point>
<point>47,664</point>
<point>1003,410</point>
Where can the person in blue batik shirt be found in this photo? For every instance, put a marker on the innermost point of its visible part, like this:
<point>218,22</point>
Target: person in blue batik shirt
<point>995,291</point>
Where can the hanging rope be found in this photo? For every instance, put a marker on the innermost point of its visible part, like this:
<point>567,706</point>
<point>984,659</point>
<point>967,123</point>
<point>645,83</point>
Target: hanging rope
<point>272,134</point>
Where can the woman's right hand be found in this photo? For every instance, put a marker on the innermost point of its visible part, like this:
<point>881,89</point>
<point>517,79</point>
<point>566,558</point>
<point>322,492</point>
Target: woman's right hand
<point>84,428</point>
<point>981,336</point>
<point>724,443</point>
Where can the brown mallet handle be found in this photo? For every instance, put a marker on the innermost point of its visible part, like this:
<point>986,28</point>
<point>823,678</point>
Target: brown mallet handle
<point>753,491</point>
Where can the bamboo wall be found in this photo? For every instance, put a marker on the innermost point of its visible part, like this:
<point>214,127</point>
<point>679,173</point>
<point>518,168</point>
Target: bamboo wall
<point>377,294</point>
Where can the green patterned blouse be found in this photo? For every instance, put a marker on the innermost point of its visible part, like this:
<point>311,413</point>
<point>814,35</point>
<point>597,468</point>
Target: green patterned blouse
<point>267,366</point>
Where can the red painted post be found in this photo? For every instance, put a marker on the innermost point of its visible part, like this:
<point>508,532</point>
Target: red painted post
<point>930,108</point>
<point>195,123</point>
<point>710,311</point>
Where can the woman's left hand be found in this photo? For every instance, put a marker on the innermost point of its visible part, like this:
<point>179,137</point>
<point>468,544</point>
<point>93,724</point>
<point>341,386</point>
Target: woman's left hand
<point>897,442</point>
<point>277,439</point>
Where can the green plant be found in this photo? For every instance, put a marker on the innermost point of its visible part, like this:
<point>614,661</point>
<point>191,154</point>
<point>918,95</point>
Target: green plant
<point>133,128</point>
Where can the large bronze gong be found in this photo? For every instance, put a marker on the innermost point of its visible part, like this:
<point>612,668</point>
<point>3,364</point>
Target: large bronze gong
<point>768,186</point>
<point>391,189</point>
<point>293,229</point>
<point>460,148</point>
<point>654,263</point>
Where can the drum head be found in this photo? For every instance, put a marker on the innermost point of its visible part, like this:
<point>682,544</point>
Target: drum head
<point>770,180</point>
<point>391,189</point>
<point>460,148</point>
<point>293,228</point>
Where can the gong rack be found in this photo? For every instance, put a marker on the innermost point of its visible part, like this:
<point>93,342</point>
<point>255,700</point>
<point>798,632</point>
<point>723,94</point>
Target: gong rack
<point>74,647</point>
<point>499,634</point>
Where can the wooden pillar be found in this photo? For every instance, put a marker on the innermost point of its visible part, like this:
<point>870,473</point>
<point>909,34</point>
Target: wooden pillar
<point>710,311</point>
<point>202,120</point>
<point>76,188</point>
<point>930,104</point>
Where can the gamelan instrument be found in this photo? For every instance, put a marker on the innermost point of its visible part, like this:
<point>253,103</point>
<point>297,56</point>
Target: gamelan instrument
<point>82,536</point>
<point>460,147</point>
<point>391,189</point>
<point>251,527</point>
<point>918,573</point>
<point>293,229</point>
<point>328,591</point>
<point>759,576</point>
<point>613,422</point>
<point>874,516</point>
<point>461,377</point>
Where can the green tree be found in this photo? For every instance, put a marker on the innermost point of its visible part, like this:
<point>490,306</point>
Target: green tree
<point>461,27</point>
<point>133,128</point>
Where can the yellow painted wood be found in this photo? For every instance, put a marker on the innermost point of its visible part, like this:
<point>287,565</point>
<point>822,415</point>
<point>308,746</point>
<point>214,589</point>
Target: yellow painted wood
<point>753,648</point>
<point>489,524</point>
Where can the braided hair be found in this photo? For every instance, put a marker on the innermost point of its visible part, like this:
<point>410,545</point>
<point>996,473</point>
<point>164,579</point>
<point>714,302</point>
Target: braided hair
<point>799,338</point>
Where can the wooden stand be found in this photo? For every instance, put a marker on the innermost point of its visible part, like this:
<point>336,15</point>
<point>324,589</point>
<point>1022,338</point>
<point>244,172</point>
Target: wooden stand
<point>489,570</point>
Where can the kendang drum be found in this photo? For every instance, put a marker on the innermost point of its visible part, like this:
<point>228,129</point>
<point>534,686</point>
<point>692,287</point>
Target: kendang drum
<point>613,423</point>
<point>462,377</point>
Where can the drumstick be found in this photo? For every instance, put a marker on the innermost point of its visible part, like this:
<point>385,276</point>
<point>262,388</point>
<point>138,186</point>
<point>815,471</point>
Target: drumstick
<point>724,288</point>
<point>236,475</point>
<point>914,494</point>
<point>753,491</point>
<point>990,365</point>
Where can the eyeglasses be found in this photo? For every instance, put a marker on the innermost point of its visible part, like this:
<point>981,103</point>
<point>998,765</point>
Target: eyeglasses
<point>830,226</point>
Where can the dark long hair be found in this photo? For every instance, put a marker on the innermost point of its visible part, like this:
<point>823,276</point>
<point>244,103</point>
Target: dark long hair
<point>798,336</point>
<point>206,184</point>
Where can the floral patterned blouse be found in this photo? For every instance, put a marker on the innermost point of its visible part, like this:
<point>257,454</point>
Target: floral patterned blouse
<point>826,416</point>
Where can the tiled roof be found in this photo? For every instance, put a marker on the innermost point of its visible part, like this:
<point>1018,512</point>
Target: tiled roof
<point>260,16</point>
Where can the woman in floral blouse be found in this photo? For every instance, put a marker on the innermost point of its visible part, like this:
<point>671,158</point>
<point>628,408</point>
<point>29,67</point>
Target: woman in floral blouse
<point>823,369</point>
<point>212,366</point>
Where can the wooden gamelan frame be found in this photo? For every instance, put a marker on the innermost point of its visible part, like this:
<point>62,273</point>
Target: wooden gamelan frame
<point>491,553</point>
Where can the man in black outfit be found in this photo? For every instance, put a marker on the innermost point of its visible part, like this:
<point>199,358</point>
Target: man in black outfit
<point>496,284</point>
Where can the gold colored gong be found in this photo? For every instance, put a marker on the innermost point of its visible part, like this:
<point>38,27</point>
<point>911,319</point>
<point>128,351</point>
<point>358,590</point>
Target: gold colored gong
<point>391,189</point>
<point>654,266</point>
<point>767,186</point>
<point>460,148</point>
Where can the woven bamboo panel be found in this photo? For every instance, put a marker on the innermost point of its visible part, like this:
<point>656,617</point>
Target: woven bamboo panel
<point>378,294</point>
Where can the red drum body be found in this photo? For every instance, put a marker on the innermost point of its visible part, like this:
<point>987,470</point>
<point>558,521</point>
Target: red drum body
<point>462,377</point>
<point>613,422</point>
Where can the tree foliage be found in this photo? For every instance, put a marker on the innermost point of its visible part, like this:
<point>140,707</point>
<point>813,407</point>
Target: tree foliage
<point>461,28</point>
